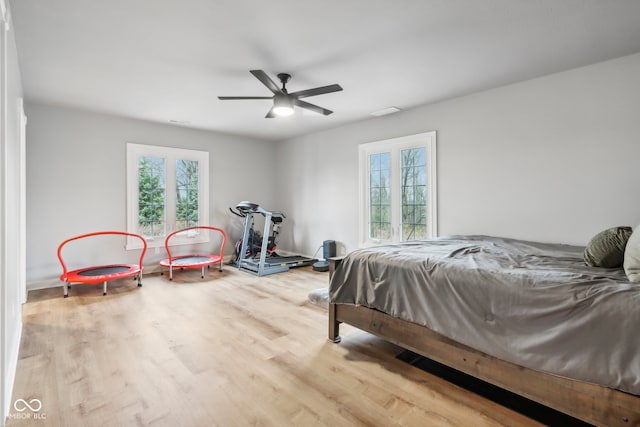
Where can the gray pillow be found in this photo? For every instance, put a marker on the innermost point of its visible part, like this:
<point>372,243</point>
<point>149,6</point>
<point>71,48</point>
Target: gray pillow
<point>606,249</point>
<point>632,257</point>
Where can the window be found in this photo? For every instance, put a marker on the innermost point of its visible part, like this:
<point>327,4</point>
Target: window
<point>167,189</point>
<point>398,189</point>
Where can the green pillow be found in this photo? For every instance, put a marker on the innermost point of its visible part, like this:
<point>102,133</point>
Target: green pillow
<point>606,249</point>
<point>632,257</point>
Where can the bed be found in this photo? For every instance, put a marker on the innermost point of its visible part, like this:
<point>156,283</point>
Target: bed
<point>529,317</point>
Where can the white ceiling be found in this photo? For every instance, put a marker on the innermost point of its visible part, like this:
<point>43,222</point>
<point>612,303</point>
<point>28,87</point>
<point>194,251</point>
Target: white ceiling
<point>164,60</point>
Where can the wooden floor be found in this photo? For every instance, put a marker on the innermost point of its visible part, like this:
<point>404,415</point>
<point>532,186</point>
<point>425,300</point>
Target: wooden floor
<point>229,350</point>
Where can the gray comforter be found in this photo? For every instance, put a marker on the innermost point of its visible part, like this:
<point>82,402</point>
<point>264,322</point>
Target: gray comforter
<point>534,304</point>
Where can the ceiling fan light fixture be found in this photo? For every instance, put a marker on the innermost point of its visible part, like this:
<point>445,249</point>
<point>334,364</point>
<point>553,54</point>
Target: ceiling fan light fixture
<point>282,106</point>
<point>283,111</point>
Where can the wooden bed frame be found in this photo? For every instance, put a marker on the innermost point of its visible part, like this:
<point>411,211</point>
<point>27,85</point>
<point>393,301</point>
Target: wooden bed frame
<point>592,403</point>
<point>602,406</point>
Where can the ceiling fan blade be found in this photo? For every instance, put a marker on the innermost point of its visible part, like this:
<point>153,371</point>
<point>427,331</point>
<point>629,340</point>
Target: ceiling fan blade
<point>312,107</point>
<point>317,91</point>
<point>270,114</point>
<point>266,80</point>
<point>226,98</point>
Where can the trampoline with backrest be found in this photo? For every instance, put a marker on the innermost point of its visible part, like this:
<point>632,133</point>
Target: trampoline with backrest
<point>194,260</point>
<point>101,273</point>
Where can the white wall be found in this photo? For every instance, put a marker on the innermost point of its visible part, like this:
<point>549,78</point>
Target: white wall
<point>551,159</point>
<point>76,179</point>
<point>10,213</point>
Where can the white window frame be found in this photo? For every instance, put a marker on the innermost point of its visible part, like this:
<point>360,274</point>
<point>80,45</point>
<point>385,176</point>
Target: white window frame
<point>395,146</point>
<point>170,154</point>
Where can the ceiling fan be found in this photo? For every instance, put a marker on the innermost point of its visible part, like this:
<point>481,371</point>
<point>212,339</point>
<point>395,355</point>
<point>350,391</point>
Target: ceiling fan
<point>283,101</point>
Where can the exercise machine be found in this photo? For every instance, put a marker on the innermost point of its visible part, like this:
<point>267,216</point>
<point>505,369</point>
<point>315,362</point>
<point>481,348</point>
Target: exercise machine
<point>260,258</point>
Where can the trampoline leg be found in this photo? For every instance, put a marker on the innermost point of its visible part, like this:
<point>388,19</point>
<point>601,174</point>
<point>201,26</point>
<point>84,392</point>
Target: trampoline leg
<point>104,288</point>
<point>202,274</point>
<point>66,290</point>
<point>170,273</point>
<point>220,268</point>
<point>139,279</point>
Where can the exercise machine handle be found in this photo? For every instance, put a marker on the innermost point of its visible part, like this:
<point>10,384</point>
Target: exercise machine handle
<point>238,213</point>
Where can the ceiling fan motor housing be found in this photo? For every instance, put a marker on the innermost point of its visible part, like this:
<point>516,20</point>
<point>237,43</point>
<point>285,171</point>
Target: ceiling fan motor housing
<point>284,79</point>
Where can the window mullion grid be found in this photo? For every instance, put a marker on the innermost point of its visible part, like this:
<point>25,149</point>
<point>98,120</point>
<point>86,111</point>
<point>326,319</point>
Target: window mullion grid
<point>170,195</point>
<point>393,178</point>
<point>431,187</point>
<point>367,183</point>
<point>395,148</point>
<point>170,155</point>
<point>369,202</point>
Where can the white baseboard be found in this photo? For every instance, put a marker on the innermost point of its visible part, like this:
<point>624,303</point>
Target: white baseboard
<point>43,284</point>
<point>13,352</point>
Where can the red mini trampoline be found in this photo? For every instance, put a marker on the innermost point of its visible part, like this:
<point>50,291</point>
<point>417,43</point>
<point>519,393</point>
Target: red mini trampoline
<point>193,260</point>
<point>102,273</point>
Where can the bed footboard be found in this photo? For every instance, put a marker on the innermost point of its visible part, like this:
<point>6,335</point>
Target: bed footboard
<point>595,404</point>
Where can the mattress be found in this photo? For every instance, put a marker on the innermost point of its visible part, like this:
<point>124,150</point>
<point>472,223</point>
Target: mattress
<point>533,304</point>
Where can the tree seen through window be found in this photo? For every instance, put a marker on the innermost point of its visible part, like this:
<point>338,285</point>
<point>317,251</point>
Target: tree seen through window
<point>151,196</point>
<point>186,193</point>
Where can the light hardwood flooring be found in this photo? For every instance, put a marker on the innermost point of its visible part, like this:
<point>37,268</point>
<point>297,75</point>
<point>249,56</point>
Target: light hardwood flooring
<point>230,350</point>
